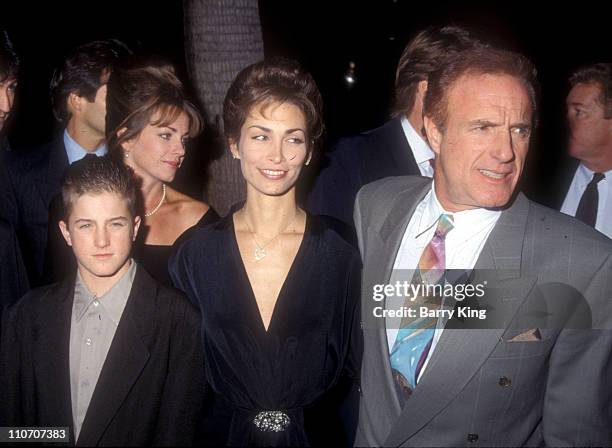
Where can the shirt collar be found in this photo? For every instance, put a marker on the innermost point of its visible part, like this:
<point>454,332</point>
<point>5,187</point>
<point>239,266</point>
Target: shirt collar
<point>421,150</point>
<point>588,174</point>
<point>114,300</point>
<point>471,222</point>
<point>75,152</point>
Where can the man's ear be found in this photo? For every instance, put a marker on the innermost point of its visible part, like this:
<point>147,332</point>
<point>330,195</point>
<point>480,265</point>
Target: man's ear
<point>137,222</point>
<point>234,149</point>
<point>434,136</point>
<point>65,232</point>
<point>75,102</point>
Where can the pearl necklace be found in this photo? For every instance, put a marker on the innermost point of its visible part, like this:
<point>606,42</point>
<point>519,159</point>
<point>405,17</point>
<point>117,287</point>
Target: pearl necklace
<point>161,201</point>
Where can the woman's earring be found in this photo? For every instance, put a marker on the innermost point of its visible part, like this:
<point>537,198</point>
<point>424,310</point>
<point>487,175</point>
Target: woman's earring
<point>127,154</point>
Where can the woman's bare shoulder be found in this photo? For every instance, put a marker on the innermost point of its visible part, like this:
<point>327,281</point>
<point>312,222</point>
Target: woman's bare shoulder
<point>188,208</point>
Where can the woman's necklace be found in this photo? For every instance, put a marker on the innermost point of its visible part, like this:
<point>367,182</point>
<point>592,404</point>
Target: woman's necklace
<point>161,201</point>
<point>260,249</point>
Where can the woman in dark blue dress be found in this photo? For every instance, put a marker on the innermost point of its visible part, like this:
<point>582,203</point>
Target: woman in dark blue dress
<point>278,289</point>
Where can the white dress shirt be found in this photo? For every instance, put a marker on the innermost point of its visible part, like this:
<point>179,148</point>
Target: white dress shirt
<point>581,179</point>
<point>420,149</point>
<point>75,152</point>
<point>463,244</point>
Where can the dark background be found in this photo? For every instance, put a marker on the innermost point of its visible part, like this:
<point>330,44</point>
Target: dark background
<point>324,37</point>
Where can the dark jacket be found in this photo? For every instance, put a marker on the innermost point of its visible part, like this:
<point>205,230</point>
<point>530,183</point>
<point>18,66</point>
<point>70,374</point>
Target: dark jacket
<point>13,279</point>
<point>34,176</point>
<point>150,390</point>
<point>358,160</point>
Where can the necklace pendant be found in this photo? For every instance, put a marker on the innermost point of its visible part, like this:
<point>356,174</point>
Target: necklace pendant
<point>260,253</point>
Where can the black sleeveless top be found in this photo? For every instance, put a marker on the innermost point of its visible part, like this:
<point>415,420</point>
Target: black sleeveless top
<point>154,258</point>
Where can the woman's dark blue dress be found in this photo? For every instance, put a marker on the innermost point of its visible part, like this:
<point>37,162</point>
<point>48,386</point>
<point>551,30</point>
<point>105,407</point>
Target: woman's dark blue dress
<point>300,364</point>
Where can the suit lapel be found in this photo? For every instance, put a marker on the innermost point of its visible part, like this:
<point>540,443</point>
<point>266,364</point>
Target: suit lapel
<point>393,228</point>
<point>389,235</point>
<point>389,238</point>
<point>461,351</point>
<point>127,357</point>
<point>53,354</point>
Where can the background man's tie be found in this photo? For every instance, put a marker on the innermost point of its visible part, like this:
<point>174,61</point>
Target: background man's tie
<point>589,202</point>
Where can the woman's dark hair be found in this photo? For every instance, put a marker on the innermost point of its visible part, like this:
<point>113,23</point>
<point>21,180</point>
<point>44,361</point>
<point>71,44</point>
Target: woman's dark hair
<point>274,80</point>
<point>135,94</point>
<point>9,61</point>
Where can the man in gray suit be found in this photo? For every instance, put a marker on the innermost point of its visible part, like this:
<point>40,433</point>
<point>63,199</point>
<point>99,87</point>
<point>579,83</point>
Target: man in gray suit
<point>526,359</point>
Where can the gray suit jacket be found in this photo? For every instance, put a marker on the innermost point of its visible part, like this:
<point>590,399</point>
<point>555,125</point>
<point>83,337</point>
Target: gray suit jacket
<point>549,278</point>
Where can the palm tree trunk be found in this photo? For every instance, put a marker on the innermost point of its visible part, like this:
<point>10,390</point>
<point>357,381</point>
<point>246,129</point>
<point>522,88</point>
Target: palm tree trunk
<point>221,38</point>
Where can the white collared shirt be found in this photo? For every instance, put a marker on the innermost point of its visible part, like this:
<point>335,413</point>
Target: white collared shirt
<point>462,245</point>
<point>75,152</point>
<point>420,149</point>
<point>581,179</point>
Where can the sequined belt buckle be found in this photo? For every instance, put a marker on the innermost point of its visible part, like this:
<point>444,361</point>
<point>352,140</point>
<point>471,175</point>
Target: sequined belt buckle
<point>273,421</point>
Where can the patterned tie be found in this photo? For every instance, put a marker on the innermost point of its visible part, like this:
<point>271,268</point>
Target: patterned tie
<point>415,335</point>
<point>587,208</point>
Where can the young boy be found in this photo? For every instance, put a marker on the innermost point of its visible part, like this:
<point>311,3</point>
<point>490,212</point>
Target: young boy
<point>109,353</point>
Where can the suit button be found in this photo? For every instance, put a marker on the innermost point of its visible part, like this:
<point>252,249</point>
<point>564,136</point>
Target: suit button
<point>472,437</point>
<point>504,381</point>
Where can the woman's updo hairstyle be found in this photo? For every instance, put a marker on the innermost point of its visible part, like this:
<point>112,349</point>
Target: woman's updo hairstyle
<point>273,80</point>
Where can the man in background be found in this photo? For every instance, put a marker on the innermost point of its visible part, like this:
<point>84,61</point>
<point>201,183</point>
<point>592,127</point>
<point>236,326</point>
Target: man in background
<point>398,147</point>
<point>78,94</point>
<point>9,73</point>
<point>13,280</point>
<point>589,115</point>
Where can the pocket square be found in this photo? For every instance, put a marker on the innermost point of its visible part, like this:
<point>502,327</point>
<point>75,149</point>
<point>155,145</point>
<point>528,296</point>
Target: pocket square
<point>527,336</point>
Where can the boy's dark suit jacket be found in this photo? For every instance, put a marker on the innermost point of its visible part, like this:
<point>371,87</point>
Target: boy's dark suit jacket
<point>150,390</point>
